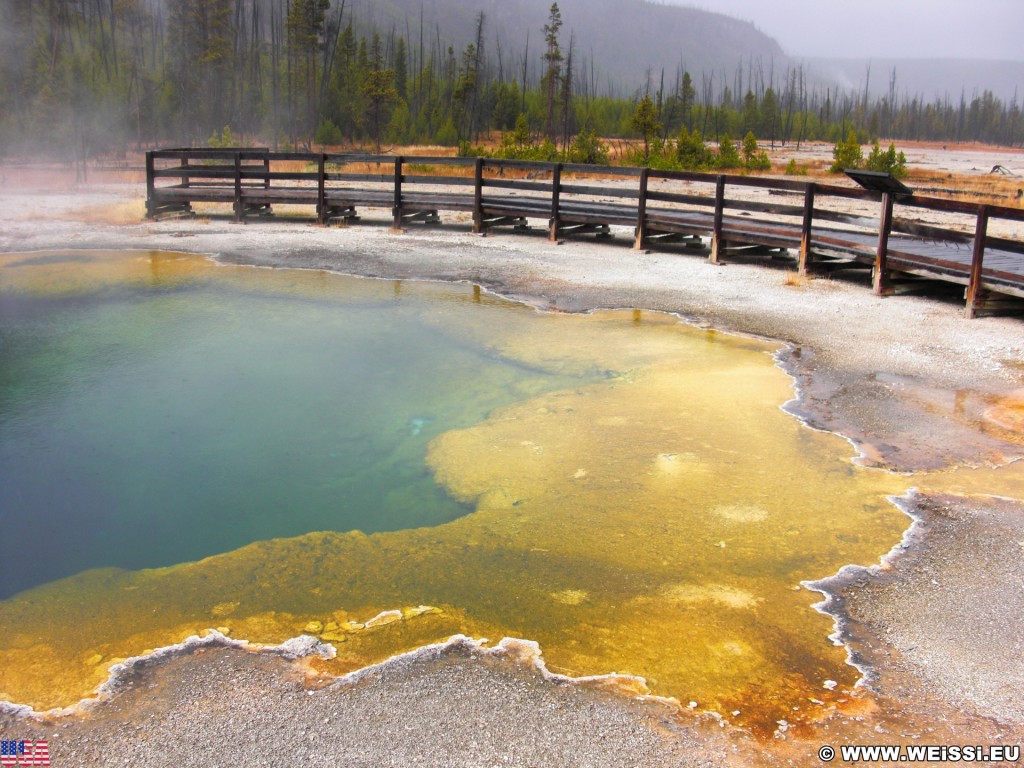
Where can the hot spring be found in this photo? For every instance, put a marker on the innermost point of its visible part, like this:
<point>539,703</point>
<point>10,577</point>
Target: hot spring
<point>186,446</point>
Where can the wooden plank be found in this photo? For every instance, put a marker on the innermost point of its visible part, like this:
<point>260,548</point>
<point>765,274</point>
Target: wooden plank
<point>880,278</point>
<point>757,207</point>
<point>919,229</point>
<point>717,244</point>
<point>704,178</point>
<point>238,187</point>
<point>850,193</point>
<point>478,196</point>
<point>448,181</point>
<point>422,160</point>
<point>321,195</point>
<point>977,260</point>
<point>533,186</point>
<point>601,170</point>
<point>520,165</point>
<point>806,229</point>
<point>376,178</point>
<point>580,189</point>
<point>280,175</point>
<point>150,184</point>
<point>640,234</point>
<point>672,197</point>
<point>1002,244</point>
<point>396,209</point>
<point>556,192</point>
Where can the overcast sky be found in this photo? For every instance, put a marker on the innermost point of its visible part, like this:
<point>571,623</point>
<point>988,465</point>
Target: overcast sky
<point>962,29</point>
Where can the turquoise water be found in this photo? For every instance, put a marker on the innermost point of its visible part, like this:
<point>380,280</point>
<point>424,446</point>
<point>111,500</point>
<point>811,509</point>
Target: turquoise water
<point>146,424</point>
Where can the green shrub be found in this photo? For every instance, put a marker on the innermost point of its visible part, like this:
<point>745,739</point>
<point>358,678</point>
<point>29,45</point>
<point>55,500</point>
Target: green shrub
<point>466,149</point>
<point>728,156</point>
<point>889,161</point>
<point>795,169</point>
<point>447,135</point>
<point>328,134</point>
<point>754,159</point>
<point>847,154</point>
<point>586,147</point>
<point>226,139</point>
<point>692,153</point>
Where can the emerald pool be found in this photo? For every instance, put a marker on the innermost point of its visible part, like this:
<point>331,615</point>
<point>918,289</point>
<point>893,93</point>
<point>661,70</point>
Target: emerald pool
<point>154,421</point>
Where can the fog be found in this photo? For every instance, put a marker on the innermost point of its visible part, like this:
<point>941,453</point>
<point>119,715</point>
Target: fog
<point>979,29</point>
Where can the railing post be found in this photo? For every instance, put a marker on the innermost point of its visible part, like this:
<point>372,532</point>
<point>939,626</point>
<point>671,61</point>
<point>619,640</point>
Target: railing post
<point>717,245</point>
<point>397,210</point>
<point>977,260</point>
<point>880,274</point>
<point>478,196</point>
<point>266,169</point>
<point>556,192</point>
<point>805,233</point>
<point>150,185</point>
<point>238,186</point>
<point>321,190</point>
<point>185,179</point>
<point>641,211</point>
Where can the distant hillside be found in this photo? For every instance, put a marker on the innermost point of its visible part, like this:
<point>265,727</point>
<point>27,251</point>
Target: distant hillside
<point>624,38</point>
<point>926,78</point>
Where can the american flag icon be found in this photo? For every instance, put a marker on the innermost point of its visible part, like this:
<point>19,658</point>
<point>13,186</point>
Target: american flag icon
<point>24,753</point>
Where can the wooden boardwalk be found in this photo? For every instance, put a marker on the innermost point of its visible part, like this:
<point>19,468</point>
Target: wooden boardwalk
<point>720,215</point>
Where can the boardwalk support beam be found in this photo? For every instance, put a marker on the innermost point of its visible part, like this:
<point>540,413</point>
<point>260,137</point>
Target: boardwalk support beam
<point>640,241</point>
<point>478,197</point>
<point>321,191</point>
<point>806,230</point>
<point>238,187</point>
<point>397,209</point>
<point>555,222</point>
<point>717,244</point>
<point>977,260</point>
<point>880,276</point>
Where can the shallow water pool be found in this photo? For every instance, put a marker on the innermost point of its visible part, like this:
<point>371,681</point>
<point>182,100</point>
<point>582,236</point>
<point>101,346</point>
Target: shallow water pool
<point>187,446</point>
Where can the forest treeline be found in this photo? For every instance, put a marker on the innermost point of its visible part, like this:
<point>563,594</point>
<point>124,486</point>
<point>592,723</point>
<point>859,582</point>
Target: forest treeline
<point>86,77</point>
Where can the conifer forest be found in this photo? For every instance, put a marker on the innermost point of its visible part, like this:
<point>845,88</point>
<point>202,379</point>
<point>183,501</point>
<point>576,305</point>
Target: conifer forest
<point>90,77</point>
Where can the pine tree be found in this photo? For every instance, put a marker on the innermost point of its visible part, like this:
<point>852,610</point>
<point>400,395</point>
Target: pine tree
<point>379,93</point>
<point>644,121</point>
<point>728,157</point>
<point>553,69</point>
<point>304,27</point>
<point>847,154</point>
<point>202,35</point>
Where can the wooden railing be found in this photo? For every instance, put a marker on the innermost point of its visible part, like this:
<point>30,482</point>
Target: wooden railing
<point>660,206</point>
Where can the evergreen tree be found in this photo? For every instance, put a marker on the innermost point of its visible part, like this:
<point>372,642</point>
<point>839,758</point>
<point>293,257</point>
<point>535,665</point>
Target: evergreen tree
<point>847,154</point>
<point>692,153</point>
<point>687,95</point>
<point>552,69</point>
<point>202,35</point>
<point>305,26</point>
<point>889,161</point>
<point>728,157</point>
<point>754,159</point>
<point>379,93</point>
<point>401,69</point>
<point>645,122</point>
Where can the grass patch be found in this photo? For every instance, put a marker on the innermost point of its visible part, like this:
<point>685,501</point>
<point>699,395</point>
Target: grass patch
<point>794,279</point>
